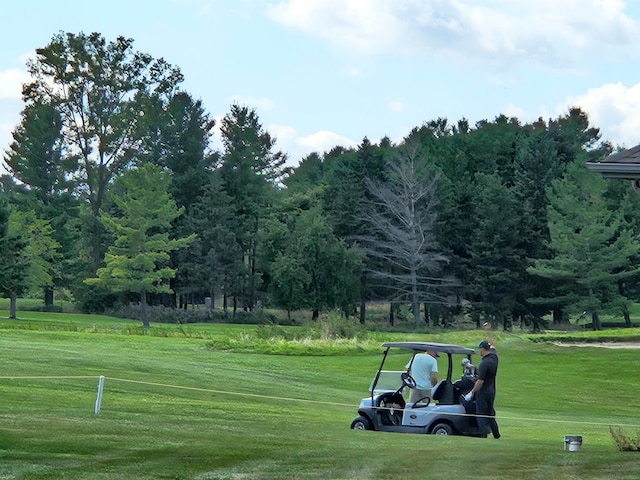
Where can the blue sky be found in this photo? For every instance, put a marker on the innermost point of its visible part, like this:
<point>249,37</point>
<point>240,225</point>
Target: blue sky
<point>322,73</point>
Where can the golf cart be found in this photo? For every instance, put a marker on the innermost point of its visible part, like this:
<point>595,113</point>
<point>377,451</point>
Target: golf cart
<point>387,410</point>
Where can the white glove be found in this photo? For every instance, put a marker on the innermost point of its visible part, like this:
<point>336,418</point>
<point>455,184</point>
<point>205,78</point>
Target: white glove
<point>468,396</point>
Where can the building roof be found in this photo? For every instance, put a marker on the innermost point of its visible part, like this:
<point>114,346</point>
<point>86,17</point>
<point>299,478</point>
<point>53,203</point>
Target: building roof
<point>624,164</point>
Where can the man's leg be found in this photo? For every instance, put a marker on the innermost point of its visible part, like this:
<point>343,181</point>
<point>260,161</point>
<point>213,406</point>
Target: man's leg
<point>487,419</point>
<point>482,409</point>
<point>417,394</point>
<point>492,421</point>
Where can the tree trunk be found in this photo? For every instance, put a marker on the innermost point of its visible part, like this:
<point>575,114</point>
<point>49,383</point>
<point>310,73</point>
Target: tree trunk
<point>363,307</point>
<point>595,321</point>
<point>415,298</point>
<point>475,316</point>
<point>95,234</point>
<point>625,307</point>
<point>536,324</point>
<point>627,317</point>
<point>252,265</point>
<point>392,315</point>
<point>12,305</point>
<point>143,308</point>
<point>507,325</point>
<point>48,296</point>
<point>235,307</point>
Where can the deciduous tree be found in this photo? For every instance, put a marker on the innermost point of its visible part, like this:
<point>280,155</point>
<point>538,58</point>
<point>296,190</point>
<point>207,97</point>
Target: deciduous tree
<point>313,268</point>
<point>403,218</point>
<point>99,89</point>
<point>14,262</point>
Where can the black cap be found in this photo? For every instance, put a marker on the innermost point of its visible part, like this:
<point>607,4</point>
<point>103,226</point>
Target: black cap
<point>484,344</point>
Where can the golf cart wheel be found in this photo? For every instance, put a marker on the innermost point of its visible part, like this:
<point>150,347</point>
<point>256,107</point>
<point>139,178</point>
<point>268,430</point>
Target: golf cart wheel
<point>361,423</point>
<point>442,429</point>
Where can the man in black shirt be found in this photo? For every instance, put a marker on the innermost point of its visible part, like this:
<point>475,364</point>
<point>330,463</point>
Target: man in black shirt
<point>485,390</point>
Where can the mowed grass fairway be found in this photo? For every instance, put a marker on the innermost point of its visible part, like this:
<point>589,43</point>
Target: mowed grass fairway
<point>176,407</point>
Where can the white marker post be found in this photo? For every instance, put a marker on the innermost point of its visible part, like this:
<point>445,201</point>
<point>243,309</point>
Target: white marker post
<point>99,398</point>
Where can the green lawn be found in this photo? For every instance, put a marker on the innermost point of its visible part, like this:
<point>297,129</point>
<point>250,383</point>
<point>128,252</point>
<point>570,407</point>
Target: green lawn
<point>177,407</point>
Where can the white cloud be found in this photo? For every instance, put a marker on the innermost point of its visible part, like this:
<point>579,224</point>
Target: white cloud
<point>11,83</point>
<point>360,25</point>
<point>512,110</point>
<point>615,109</point>
<point>498,33</point>
<point>289,141</point>
<point>297,147</point>
<point>5,140</point>
<point>323,141</point>
<point>286,142</point>
<point>283,134</point>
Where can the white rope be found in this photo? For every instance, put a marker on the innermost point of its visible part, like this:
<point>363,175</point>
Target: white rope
<point>322,402</point>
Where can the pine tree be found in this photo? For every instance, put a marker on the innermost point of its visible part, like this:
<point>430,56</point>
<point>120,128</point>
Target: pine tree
<point>592,244</point>
<point>137,260</point>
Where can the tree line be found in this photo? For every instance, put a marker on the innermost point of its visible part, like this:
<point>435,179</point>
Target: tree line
<point>115,195</point>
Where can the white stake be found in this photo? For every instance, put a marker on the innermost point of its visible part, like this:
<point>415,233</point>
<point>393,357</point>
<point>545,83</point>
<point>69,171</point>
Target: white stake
<point>99,398</point>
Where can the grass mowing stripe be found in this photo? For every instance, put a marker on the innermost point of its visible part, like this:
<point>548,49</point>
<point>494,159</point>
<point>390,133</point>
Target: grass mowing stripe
<point>502,418</point>
<point>48,432</point>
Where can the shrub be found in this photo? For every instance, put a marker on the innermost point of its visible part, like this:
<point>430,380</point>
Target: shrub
<point>162,314</point>
<point>333,325</point>
<point>331,334</point>
<point>624,442</point>
<point>95,299</point>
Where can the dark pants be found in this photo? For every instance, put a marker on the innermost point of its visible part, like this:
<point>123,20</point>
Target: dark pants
<point>486,412</point>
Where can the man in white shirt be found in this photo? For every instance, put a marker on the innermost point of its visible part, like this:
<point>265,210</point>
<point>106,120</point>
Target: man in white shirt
<point>424,370</point>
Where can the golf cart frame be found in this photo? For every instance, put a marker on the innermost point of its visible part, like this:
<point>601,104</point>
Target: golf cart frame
<point>447,413</point>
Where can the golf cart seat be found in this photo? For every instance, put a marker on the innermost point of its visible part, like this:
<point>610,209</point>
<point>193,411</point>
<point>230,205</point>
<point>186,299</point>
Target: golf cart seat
<point>444,393</point>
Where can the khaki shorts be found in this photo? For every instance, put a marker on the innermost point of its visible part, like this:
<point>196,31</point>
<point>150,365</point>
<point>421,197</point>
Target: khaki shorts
<point>417,394</point>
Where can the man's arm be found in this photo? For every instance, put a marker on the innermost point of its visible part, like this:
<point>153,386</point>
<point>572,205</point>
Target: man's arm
<point>476,386</point>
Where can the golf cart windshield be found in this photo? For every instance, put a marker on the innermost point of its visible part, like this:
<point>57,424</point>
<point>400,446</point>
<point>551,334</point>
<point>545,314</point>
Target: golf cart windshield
<point>388,381</point>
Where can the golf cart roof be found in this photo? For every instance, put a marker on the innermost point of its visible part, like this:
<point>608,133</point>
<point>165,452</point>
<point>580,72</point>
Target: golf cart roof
<point>436,347</point>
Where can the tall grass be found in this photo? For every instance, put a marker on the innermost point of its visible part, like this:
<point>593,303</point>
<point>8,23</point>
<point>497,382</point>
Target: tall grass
<point>178,405</point>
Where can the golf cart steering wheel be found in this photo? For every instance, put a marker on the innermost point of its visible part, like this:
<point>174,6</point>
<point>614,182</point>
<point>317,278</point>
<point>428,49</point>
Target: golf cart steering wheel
<point>408,380</point>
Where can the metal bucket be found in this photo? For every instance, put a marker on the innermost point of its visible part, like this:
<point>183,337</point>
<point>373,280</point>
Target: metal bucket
<point>573,443</point>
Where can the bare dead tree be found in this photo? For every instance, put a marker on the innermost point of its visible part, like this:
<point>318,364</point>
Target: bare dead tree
<point>402,243</point>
